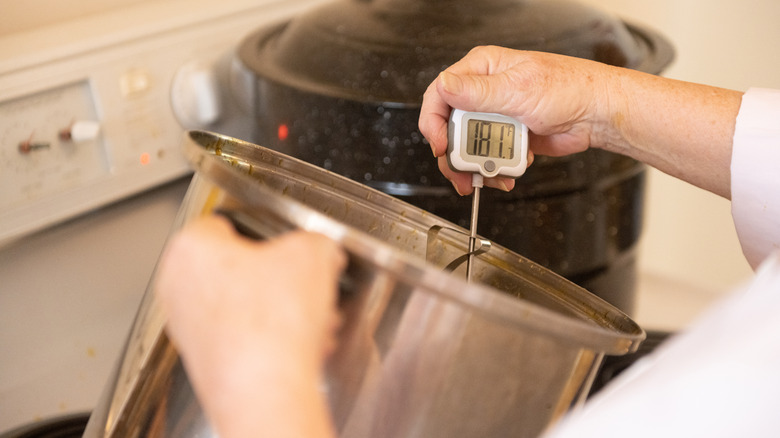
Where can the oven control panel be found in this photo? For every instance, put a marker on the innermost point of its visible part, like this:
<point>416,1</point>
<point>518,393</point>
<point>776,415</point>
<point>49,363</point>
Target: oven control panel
<point>67,148</point>
<point>60,156</point>
<point>40,155</point>
<point>94,110</point>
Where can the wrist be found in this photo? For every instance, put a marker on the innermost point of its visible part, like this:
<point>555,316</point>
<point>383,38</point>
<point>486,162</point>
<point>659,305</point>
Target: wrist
<point>611,120</point>
<point>267,390</point>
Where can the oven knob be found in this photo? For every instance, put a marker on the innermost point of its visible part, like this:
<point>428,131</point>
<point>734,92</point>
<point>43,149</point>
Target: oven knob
<point>80,131</point>
<point>195,96</point>
<point>27,146</point>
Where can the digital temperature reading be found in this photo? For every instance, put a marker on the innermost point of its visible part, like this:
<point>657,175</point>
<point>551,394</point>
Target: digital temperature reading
<point>486,143</point>
<point>490,139</point>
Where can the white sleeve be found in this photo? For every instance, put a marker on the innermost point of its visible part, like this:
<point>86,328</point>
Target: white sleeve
<point>720,378</point>
<point>755,174</point>
<point>717,379</point>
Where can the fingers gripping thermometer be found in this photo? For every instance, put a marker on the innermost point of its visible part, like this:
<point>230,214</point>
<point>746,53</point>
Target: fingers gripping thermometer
<point>486,145</point>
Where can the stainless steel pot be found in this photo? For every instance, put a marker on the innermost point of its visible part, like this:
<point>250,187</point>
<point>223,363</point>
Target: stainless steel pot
<point>421,353</point>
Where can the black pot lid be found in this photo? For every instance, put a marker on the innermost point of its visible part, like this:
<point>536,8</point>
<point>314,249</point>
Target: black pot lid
<point>389,51</point>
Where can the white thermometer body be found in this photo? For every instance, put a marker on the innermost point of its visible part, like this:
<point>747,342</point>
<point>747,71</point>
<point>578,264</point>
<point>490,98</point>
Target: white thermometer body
<point>487,143</point>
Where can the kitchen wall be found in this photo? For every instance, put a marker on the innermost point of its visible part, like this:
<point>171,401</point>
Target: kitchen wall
<point>24,16</point>
<point>689,251</point>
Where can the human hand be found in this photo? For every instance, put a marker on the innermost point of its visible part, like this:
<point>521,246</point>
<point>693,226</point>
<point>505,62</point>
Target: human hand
<point>570,104</point>
<point>253,322</point>
<point>562,100</point>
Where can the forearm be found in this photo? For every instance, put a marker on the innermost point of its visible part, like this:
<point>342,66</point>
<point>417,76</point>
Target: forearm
<point>680,128</point>
<point>267,396</point>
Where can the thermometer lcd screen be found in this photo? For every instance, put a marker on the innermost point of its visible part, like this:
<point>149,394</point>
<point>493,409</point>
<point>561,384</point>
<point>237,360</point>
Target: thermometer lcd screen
<point>490,139</point>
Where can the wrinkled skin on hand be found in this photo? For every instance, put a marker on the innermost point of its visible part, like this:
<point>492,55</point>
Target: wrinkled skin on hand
<point>571,104</point>
<point>493,79</point>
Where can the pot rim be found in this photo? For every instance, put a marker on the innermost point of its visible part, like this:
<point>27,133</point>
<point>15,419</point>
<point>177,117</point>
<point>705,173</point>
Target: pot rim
<point>598,326</point>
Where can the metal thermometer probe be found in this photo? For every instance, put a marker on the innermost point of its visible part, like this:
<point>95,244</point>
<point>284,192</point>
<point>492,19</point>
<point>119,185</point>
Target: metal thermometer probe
<point>486,145</point>
<point>476,182</point>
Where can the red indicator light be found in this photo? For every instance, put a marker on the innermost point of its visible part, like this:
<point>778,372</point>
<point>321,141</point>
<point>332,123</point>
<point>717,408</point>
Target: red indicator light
<point>145,158</point>
<point>283,132</point>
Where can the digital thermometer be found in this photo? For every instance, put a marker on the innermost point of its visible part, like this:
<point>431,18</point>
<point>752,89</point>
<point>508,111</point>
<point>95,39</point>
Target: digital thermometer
<point>486,145</point>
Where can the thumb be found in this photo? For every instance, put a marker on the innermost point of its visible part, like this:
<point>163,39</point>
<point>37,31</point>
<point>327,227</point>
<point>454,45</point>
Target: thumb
<point>472,92</point>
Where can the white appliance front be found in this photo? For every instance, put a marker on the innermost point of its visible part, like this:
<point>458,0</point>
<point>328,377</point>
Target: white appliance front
<point>94,99</point>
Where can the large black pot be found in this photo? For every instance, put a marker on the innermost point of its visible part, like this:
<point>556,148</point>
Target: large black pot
<point>341,87</point>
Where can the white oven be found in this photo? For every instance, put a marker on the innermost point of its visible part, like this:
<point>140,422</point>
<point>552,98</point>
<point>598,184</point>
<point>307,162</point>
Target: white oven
<point>94,98</point>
